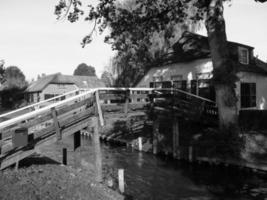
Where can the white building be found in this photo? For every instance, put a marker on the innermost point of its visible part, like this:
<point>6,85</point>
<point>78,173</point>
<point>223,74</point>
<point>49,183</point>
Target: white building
<point>191,70</point>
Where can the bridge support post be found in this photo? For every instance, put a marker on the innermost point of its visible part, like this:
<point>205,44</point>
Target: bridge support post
<point>97,150</point>
<point>155,135</point>
<point>64,158</point>
<point>176,142</point>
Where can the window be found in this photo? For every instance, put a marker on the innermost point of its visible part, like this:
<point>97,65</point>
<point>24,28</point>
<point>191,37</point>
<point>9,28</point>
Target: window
<point>180,84</point>
<point>49,96</point>
<point>248,95</point>
<point>243,55</point>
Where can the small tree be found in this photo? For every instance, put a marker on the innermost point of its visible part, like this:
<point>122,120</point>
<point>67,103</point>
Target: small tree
<point>13,87</point>
<point>84,70</point>
<point>107,78</point>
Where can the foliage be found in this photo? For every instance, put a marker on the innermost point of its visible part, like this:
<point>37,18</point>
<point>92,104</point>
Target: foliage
<point>107,78</point>
<point>133,24</point>
<point>13,87</point>
<point>14,78</point>
<point>223,143</point>
<point>84,70</point>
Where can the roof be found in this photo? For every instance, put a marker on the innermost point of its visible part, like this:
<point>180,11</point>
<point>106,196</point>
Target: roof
<point>79,81</point>
<point>193,46</point>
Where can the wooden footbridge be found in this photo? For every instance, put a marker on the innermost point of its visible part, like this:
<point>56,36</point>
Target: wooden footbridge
<point>25,130</point>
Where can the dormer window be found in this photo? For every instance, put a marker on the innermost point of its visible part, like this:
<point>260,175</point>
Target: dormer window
<point>243,55</point>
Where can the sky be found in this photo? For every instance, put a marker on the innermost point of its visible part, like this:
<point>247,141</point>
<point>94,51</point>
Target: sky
<point>34,40</point>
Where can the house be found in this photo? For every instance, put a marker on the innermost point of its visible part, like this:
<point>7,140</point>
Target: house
<point>56,84</point>
<point>189,67</point>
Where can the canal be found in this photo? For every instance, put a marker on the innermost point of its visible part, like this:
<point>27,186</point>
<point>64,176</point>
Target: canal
<point>158,178</point>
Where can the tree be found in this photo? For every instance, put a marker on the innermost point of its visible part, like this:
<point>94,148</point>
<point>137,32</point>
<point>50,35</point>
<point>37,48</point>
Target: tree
<point>84,70</point>
<point>14,78</point>
<point>13,87</point>
<point>134,26</point>
<point>2,71</point>
<point>107,78</point>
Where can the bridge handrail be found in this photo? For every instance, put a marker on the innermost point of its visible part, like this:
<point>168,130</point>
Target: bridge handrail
<point>162,89</point>
<point>76,97</point>
<point>41,102</point>
<point>43,110</point>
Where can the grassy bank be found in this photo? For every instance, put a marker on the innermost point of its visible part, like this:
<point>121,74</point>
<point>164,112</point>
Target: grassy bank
<point>52,181</point>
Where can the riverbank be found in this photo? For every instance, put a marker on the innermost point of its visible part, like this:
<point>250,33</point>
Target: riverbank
<point>49,180</point>
<point>124,130</point>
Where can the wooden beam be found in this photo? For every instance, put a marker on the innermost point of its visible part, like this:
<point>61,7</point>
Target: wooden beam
<point>97,150</point>
<point>99,110</point>
<point>15,157</point>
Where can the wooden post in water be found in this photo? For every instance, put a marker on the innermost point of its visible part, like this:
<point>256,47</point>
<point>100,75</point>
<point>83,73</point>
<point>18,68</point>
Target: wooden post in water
<point>155,135</point>
<point>97,150</point>
<point>140,145</point>
<point>176,142</point>
<point>121,180</point>
<point>190,154</point>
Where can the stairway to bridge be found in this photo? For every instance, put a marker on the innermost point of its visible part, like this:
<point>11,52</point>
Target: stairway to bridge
<point>24,130</point>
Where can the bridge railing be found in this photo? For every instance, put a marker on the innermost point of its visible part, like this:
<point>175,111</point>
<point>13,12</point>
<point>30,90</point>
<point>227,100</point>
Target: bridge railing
<point>72,114</point>
<point>35,106</point>
<point>182,103</point>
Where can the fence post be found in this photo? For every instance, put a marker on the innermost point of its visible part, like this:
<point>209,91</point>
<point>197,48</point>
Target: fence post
<point>121,180</point>
<point>56,123</point>
<point>97,150</point>
<point>155,135</point>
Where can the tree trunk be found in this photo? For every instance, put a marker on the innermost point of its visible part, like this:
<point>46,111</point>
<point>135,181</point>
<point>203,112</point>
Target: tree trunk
<point>224,77</point>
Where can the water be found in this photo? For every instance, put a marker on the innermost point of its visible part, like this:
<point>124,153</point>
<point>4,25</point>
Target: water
<point>150,177</point>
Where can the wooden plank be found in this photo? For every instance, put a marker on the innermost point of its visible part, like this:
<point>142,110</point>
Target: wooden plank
<point>56,124</point>
<point>138,96</point>
<point>99,110</point>
<point>15,158</point>
<point>112,96</point>
<point>97,150</point>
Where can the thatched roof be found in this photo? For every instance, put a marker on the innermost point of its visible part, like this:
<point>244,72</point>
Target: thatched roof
<point>79,81</point>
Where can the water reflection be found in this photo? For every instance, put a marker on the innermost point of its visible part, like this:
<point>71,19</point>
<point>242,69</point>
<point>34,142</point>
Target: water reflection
<point>155,178</point>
